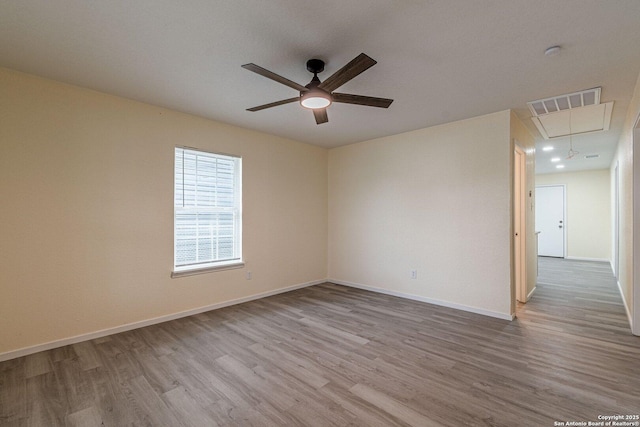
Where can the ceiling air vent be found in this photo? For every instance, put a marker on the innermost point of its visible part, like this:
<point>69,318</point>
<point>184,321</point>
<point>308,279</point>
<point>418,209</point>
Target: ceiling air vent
<point>571,114</point>
<point>592,156</point>
<point>565,102</point>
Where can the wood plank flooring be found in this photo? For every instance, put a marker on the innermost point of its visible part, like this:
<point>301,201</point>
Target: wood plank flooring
<point>329,355</point>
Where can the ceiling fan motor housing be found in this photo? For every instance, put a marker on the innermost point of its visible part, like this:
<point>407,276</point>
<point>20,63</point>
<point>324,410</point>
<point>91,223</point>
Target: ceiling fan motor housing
<point>314,97</point>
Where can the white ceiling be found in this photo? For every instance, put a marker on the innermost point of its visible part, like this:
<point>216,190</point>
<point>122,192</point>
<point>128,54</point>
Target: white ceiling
<point>441,60</point>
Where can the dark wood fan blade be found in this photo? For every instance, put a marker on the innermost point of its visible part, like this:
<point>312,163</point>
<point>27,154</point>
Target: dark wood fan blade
<point>321,115</point>
<point>274,104</point>
<point>361,100</point>
<point>357,65</point>
<point>273,76</point>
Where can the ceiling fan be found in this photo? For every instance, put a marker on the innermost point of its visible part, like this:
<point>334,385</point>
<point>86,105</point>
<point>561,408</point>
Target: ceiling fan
<point>317,95</point>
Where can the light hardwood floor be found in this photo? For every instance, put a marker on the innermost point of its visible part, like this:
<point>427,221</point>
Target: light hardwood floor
<point>330,355</point>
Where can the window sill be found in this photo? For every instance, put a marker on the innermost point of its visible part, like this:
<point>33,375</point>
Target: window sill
<point>209,269</point>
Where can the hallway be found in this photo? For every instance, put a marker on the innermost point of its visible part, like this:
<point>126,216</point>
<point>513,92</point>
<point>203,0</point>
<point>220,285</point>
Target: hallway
<point>577,315</point>
<point>577,297</point>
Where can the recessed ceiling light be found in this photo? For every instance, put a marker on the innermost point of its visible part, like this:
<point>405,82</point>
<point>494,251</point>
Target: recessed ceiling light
<point>547,148</point>
<point>555,159</point>
<point>552,51</point>
<point>560,166</point>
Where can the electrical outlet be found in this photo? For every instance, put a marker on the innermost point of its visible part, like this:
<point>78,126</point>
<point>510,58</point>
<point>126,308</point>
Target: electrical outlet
<point>414,274</point>
<point>249,275</point>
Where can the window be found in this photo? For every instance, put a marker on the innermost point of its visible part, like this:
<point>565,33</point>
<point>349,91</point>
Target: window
<point>207,211</point>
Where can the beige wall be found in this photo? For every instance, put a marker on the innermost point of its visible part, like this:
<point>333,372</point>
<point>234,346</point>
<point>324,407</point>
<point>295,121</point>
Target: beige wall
<point>624,159</point>
<point>435,200</point>
<point>87,219</point>
<point>588,212</point>
<point>521,136</point>
<point>87,215</point>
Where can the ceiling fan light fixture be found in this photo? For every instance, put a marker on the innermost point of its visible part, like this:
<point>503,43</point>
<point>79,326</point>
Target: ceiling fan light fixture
<point>314,99</point>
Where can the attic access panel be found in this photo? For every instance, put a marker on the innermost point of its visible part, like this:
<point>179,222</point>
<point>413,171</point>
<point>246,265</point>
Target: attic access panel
<point>571,114</point>
<point>591,118</point>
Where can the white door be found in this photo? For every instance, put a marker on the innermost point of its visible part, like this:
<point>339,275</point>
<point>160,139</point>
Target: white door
<point>550,220</point>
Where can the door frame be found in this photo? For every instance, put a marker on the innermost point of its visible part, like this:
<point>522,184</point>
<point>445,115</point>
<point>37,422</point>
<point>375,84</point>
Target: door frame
<point>520,223</point>
<point>564,215</point>
<point>616,223</point>
<point>635,244</point>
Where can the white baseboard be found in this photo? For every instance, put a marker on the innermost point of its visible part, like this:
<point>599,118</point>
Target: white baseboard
<point>141,324</point>
<point>503,316</point>
<point>577,258</point>
<point>626,306</point>
<point>531,293</point>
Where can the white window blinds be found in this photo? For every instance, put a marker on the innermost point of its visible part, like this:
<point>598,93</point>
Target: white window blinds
<point>207,210</point>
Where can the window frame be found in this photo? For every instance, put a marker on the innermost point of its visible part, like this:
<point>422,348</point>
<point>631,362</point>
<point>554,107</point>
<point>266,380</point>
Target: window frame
<point>213,265</point>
